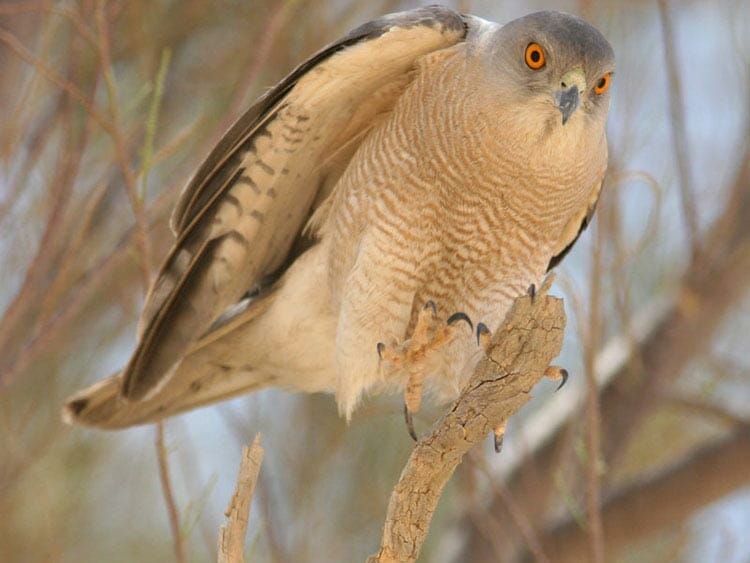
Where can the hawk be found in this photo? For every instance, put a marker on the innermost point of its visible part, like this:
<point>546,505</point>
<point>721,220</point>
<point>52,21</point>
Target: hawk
<point>425,169</point>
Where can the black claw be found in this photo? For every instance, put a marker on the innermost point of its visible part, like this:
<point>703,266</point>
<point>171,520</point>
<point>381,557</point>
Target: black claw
<point>564,374</point>
<point>499,443</point>
<point>532,291</point>
<point>409,423</point>
<point>455,317</point>
<point>481,329</point>
<point>381,347</point>
<point>430,305</point>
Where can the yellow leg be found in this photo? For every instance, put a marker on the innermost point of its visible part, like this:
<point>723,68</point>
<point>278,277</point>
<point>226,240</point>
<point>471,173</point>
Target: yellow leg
<point>412,354</point>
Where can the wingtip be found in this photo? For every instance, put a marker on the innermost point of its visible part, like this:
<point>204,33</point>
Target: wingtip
<point>95,406</point>
<point>72,410</point>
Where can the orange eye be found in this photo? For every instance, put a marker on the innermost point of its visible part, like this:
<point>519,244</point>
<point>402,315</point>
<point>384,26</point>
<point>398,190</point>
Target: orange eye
<point>603,84</point>
<point>534,56</point>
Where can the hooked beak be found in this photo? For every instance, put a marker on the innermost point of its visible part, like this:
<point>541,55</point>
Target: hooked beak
<point>567,102</point>
<point>568,97</point>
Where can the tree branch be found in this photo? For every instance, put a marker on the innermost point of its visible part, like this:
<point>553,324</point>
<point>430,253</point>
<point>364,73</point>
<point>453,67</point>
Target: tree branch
<point>516,360</point>
<point>167,492</point>
<point>708,292</point>
<point>679,129</point>
<point>232,534</point>
<point>654,503</point>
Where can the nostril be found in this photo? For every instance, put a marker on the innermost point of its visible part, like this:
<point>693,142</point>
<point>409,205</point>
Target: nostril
<point>563,85</point>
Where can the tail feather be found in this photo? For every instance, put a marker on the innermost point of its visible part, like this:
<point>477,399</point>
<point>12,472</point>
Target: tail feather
<point>219,367</point>
<point>103,406</point>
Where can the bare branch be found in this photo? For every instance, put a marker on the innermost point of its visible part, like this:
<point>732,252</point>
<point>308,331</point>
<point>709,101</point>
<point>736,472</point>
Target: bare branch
<point>516,360</point>
<point>166,486</point>
<point>16,8</point>
<point>118,138</point>
<point>679,331</point>
<point>706,409</point>
<point>273,25</point>
<point>679,131</point>
<point>12,42</point>
<point>520,519</point>
<point>662,500</point>
<point>232,534</point>
<point>593,407</point>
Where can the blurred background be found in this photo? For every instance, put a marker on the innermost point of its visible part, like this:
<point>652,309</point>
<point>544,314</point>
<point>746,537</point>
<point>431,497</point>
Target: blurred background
<point>105,110</point>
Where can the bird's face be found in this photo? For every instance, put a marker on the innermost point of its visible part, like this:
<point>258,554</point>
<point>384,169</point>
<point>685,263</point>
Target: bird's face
<point>553,69</point>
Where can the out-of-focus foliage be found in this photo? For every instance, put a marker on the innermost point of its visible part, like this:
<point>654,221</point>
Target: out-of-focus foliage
<point>105,110</point>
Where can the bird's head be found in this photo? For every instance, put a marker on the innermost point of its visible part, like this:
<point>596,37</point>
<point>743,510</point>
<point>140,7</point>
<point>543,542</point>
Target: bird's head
<point>552,67</point>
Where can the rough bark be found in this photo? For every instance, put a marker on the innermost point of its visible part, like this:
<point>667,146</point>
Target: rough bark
<point>714,282</point>
<point>232,534</point>
<point>517,358</point>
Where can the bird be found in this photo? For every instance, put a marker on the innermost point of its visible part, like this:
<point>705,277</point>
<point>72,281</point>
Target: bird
<point>347,232</point>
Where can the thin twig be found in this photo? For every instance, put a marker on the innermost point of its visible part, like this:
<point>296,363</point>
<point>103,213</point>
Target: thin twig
<point>593,407</point>
<point>12,42</point>
<point>166,487</point>
<point>271,28</point>
<point>232,534</point>
<point>95,277</point>
<point>520,519</point>
<point>490,528</point>
<point>147,151</point>
<point>276,552</point>
<point>679,130</point>
<point>702,407</point>
<point>121,153</point>
<point>659,500</point>
<point>16,8</point>
<point>64,277</point>
<point>36,282</point>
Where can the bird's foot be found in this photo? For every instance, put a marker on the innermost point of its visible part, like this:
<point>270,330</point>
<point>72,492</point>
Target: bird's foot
<point>483,341</point>
<point>411,356</point>
<point>555,373</point>
<point>499,433</point>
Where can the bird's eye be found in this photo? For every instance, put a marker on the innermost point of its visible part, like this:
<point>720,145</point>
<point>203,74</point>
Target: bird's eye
<point>603,84</point>
<point>534,56</point>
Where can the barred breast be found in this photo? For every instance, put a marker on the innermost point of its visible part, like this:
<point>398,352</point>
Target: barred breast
<point>440,203</point>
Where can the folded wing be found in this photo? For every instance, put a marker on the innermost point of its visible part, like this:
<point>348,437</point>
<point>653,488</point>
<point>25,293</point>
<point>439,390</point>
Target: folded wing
<point>239,217</point>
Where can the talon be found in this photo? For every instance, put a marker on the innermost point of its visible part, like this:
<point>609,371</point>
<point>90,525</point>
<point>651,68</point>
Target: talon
<point>430,305</point>
<point>411,357</point>
<point>409,423</point>
<point>483,334</point>
<point>532,291</point>
<point>455,317</point>
<point>381,348</point>
<point>499,435</point>
<point>555,373</point>
<point>499,443</point>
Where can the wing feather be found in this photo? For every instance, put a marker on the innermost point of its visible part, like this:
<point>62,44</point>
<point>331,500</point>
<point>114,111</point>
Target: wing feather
<point>240,215</point>
<point>576,227</point>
